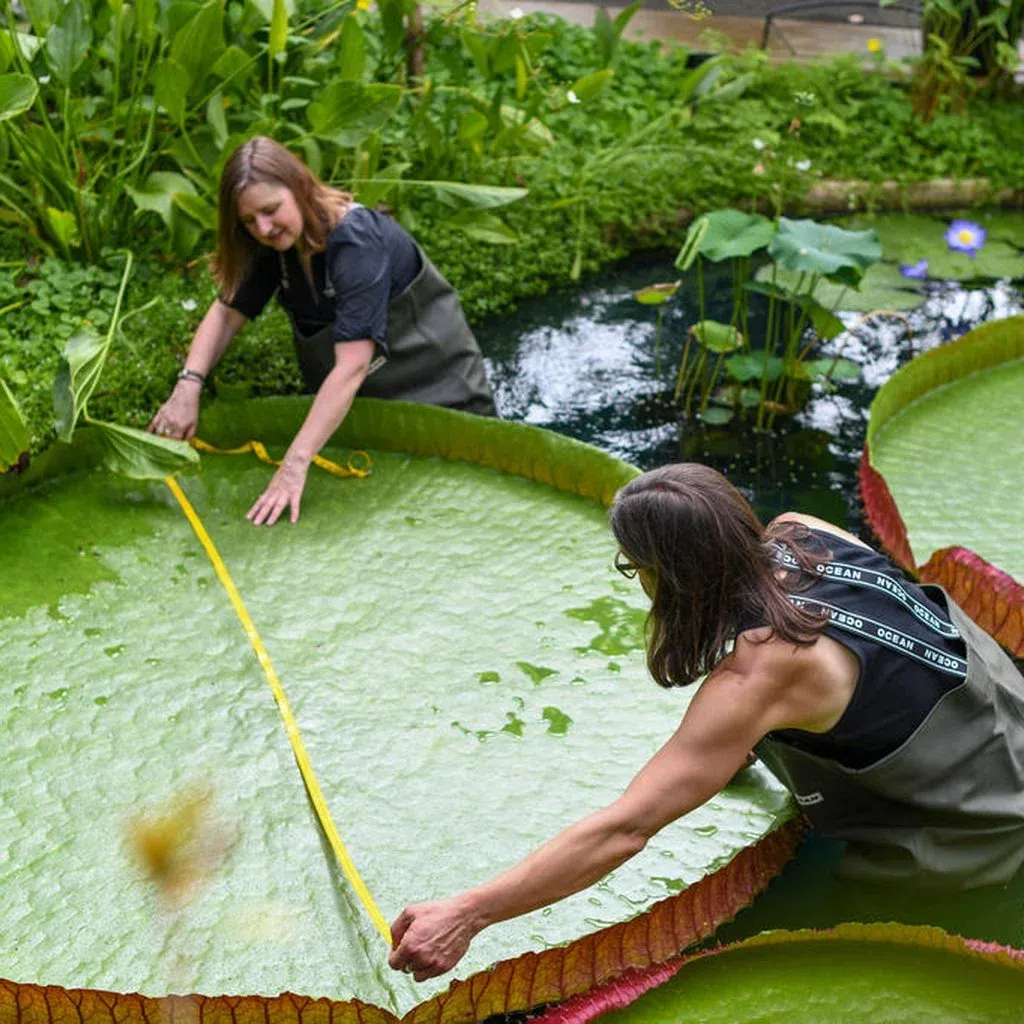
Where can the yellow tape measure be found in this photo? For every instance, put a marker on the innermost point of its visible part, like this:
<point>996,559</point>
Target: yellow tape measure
<point>290,724</point>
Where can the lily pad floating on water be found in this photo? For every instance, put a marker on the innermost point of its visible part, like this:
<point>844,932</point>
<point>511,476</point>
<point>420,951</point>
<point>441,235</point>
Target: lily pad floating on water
<point>854,973</point>
<point>464,586</point>
<point>943,473</point>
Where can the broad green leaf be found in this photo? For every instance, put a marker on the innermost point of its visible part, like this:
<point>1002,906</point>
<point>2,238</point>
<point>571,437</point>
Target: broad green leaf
<point>278,29</point>
<point>691,244</point>
<point>63,228</point>
<point>158,191</point>
<point>199,43</point>
<point>828,369</point>
<point>171,82</point>
<point>824,249</point>
<point>854,973</point>
<point>753,365</point>
<point>76,380</point>
<point>951,418</point>
<point>351,50</point>
<point>715,415</point>
<point>198,209</point>
<point>732,234</point>
<point>478,50</point>
<point>717,337</point>
<point>591,86</point>
<point>166,694</point>
<point>142,456</point>
<point>533,131</point>
<point>347,112</point>
<point>484,227</point>
<point>14,432</point>
<point>216,119</point>
<point>484,197</point>
<point>266,8</point>
<point>42,14</point>
<point>656,294</point>
<point>68,41</point>
<point>234,63</point>
<point>17,94</point>
<point>881,287</point>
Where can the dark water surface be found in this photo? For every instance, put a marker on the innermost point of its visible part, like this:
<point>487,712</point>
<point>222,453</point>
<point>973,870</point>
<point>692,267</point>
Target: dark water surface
<point>584,362</point>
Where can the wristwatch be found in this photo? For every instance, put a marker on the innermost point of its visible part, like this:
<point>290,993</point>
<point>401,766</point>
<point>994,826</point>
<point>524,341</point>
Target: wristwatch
<point>187,374</point>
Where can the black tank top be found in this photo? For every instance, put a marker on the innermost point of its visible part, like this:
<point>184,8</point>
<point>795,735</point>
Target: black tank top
<point>910,653</point>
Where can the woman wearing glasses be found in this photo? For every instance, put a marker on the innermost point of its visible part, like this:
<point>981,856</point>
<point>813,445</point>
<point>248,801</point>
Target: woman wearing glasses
<point>896,723</point>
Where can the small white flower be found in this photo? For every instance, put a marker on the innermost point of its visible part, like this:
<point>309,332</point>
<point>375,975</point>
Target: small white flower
<point>758,143</point>
<point>43,79</point>
<point>188,304</point>
<point>572,97</point>
<point>516,13</point>
<point>803,165</point>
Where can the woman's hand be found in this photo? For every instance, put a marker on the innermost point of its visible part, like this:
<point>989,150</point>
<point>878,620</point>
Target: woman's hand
<point>429,939</point>
<point>178,417</point>
<point>285,491</point>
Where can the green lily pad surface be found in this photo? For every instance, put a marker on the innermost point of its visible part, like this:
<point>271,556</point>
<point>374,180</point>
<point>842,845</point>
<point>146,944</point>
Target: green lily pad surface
<point>465,665</point>
<point>852,975</point>
<point>953,457</point>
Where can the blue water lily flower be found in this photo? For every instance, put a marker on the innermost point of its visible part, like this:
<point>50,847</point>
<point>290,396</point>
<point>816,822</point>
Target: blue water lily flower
<point>916,270</point>
<point>965,236</point>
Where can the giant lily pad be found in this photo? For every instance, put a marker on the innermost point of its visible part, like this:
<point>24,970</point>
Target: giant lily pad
<point>468,673</point>
<point>857,974</point>
<point>910,237</point>
<point>945,439</point>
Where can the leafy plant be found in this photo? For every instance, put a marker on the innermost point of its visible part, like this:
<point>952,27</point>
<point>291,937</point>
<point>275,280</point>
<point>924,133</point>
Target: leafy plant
<point>14,432</point>
<point>127,450</point>
<point>775,377</point>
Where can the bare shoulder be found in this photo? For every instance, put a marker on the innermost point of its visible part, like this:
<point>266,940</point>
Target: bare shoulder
<point>814,523</point>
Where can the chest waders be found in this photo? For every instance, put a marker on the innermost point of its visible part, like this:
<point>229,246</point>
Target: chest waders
<point>947,806</point>
<point>432,355</point>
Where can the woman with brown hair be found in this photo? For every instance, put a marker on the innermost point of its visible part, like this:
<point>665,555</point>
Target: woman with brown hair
<point>370,313</point>
<point>896,723</point>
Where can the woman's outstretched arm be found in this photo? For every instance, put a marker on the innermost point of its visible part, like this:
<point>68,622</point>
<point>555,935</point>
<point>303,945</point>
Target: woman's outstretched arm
<point>331,405</point>
<point>727,716</point>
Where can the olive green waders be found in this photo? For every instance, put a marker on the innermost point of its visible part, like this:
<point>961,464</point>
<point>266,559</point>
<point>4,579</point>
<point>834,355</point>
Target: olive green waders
<point>947,806</point>
<point>432,354</point>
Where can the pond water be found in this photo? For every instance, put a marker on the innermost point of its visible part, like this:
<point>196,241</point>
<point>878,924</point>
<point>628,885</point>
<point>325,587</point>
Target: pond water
<point>584,362</point>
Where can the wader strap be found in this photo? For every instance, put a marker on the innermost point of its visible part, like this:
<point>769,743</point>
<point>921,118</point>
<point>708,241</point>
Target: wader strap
<point>859,576</point>
<point>888,636</point>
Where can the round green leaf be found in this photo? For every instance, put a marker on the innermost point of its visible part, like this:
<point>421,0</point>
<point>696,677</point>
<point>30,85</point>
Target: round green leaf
<point>17,94</point>
<point>857,974</point>
<point>881,287</point>
<point>824,249</point>
<point>716,415</point>
<point>753,365</point>
<point>732,233</point>
<point>656,294</point>
<point>717,337</point>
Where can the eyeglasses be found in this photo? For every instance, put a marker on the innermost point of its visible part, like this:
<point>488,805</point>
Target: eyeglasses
<point>625,566</point>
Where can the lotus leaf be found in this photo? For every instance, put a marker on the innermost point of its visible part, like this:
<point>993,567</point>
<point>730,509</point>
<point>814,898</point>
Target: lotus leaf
<point>733,234</point>
<point>857,974</point>
<point>809,247</point>
<point>468,673</point>
<point>717,337</point>
<point>947,431</point>
<point>881,287</point>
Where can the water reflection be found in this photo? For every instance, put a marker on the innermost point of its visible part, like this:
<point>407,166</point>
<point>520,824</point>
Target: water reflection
<point>584,362</point>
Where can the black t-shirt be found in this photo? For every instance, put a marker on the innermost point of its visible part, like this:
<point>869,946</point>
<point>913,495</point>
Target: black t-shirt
<point>368,260</point>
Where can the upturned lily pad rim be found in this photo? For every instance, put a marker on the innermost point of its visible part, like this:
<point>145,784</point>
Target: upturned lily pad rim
<point>993,598</point>
<point>512,985</point>
<point>634,984</point>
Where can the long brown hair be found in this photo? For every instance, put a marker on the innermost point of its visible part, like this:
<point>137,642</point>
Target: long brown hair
<point>709,567</point>
<point>262,161</point>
